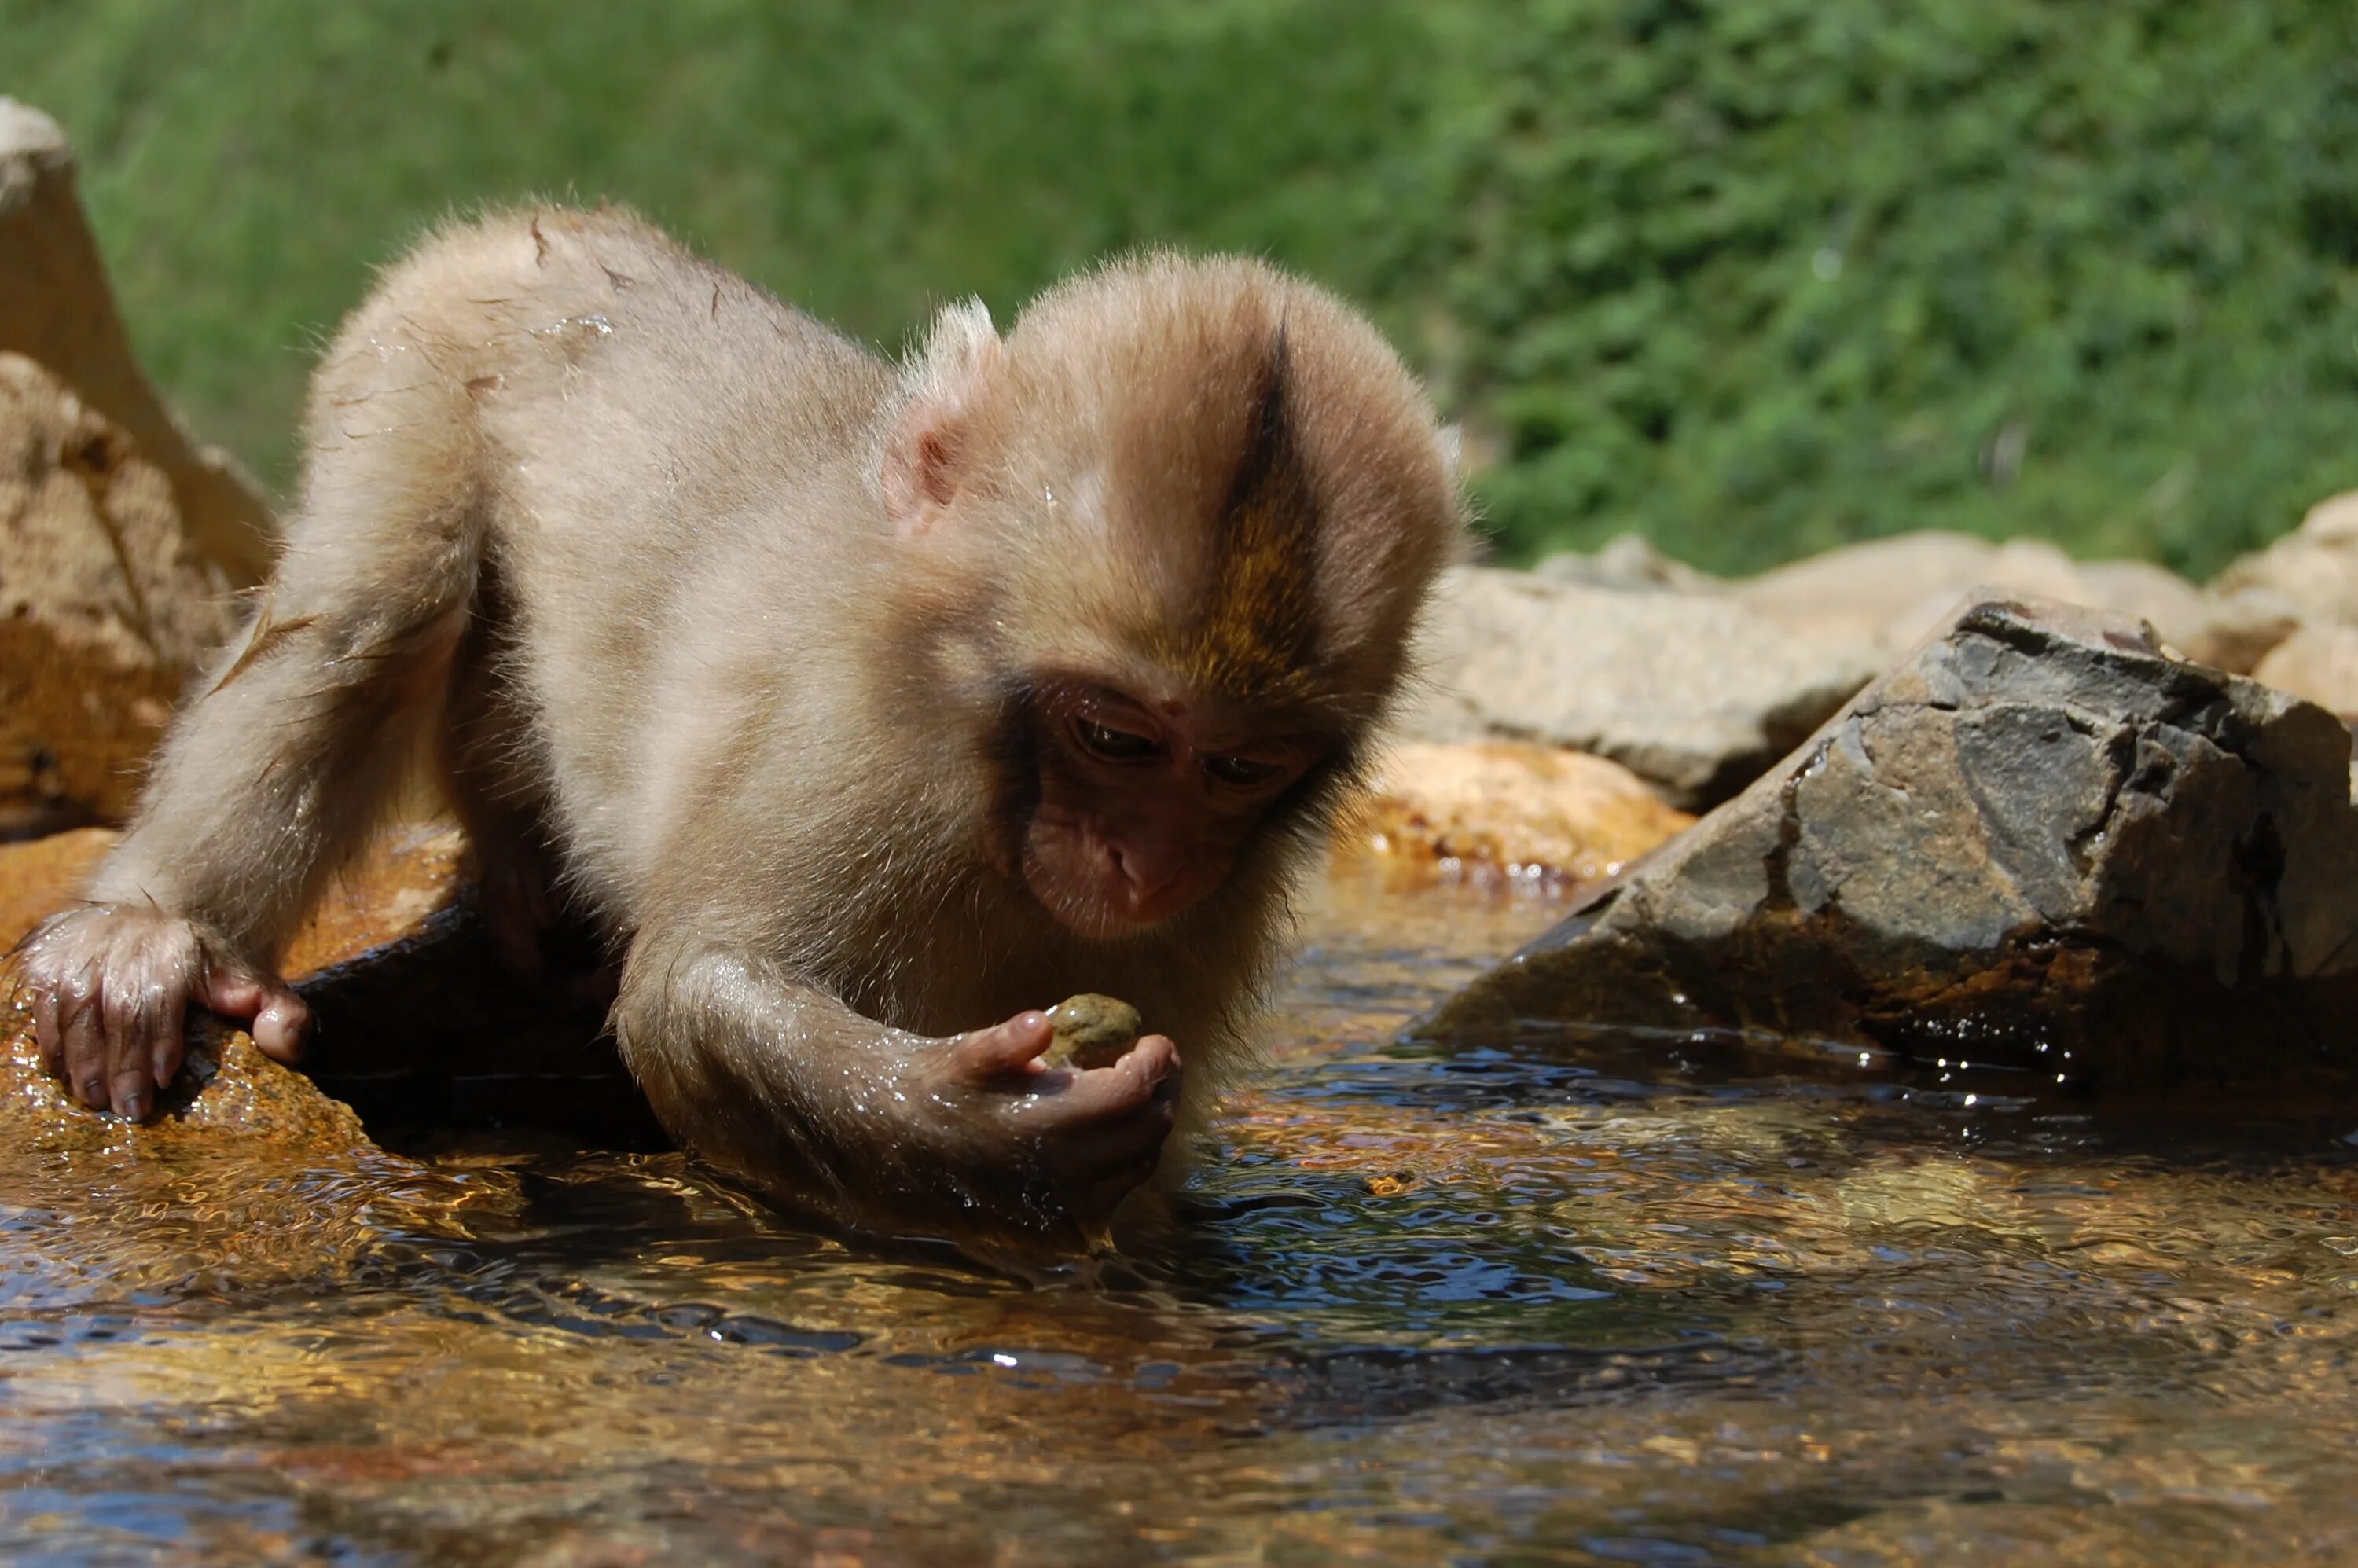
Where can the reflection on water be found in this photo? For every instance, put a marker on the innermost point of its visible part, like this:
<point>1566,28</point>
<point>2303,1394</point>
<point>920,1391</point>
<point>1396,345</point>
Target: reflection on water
<point>1411,1307</point>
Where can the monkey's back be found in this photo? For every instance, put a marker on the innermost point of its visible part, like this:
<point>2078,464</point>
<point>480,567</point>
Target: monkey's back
<point>660,461</point>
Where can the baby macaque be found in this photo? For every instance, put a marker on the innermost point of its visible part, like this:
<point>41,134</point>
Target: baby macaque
<point>861,705</point>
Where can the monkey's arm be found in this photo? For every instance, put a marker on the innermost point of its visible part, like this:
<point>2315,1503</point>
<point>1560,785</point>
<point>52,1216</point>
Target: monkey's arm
<point>303,726</point>
<point>878,1128</point>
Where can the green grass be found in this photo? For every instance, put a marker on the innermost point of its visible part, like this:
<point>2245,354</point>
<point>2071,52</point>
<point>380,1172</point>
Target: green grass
<point>1753,276</point>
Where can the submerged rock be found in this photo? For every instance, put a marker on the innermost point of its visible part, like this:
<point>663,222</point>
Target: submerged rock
<point>2041,845</point>
<point>1513,810</point>
<point>1691,692</point>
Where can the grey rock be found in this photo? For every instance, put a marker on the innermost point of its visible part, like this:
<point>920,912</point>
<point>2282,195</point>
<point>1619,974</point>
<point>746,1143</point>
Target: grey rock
<point>1693,693</point>
<point>2042,843</point>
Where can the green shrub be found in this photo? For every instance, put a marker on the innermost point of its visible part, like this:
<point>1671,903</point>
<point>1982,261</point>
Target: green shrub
<point>1755,277</point>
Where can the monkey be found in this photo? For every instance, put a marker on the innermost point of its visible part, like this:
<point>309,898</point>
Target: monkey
<point>866,705</point>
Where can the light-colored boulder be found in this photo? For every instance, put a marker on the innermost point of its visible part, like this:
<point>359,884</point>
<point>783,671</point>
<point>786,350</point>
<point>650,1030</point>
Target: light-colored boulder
<point>1892,593</point>
<point>1513,810</point>
<point>1693,692</point>
<point>2320,662</point>
<point>1630,562</point>
<point>2309,577</point>
<point>106,604</point>
<point>56,308</point>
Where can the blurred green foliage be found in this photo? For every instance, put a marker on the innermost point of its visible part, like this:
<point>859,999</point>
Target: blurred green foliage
<point>1755,277</point>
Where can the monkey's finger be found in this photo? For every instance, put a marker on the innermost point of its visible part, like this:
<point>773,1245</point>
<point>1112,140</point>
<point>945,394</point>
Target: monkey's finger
<point>82,1043</point>
<point>1005,1047</point>
<point>1125,1086</point>
<point>277,1019</point>
<point>130,1018</point>
<point>1099,1152</point>
<point>46,1033</point>
<point>167,1040</point>
<point>283,1028</point>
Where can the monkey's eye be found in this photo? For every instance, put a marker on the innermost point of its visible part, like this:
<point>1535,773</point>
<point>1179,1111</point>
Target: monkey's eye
<point>1242,772</point>
<point>1112,745</point>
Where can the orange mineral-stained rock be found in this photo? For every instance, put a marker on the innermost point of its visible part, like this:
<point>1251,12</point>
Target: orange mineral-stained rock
<point>229,1088</point>
<point>105,607</point>
<point>1513,810</point>
<point>386,895</point>
<point>420,1023</point>
<point>39,878</point>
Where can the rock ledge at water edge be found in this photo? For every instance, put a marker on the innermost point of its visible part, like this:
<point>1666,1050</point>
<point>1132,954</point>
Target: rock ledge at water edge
<point>2042,846</point>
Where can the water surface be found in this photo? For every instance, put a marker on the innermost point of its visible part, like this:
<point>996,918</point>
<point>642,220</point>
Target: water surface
<point>1545,1305</point>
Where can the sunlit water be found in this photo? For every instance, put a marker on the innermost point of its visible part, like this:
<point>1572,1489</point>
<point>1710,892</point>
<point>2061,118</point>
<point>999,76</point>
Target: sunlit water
<point>1499,1307</point>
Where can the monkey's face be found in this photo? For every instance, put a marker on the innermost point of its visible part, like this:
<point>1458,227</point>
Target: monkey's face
<point>1143,802</point>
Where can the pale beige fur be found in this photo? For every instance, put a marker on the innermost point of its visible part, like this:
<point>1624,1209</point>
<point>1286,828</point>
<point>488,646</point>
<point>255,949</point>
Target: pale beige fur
<point>612,530</point>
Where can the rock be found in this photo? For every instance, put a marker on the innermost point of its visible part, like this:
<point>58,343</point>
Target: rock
<point>2320,662</point>
<point>2240,626</point>
<point>229,1089</point>
<point>2042,845</point>
<point>1511,809</point>
<point>106,604</point>
<point>39,878</point>
<point>1890,593</point>
<point>2310,577</point>
<point>1690,691</point>
<point>1091,1031</point>
<point>1863,592</point>
<point>2142,590</point>
<point>1629,563</point>
<point>56,308</point>
<point>417,1024</point>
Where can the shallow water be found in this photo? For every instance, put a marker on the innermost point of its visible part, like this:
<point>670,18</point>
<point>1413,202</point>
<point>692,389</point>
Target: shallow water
<point>1416,1308</point>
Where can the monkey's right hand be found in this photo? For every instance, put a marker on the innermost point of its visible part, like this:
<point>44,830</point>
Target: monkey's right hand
<point>110,988</point>
<point>1039,1152</point>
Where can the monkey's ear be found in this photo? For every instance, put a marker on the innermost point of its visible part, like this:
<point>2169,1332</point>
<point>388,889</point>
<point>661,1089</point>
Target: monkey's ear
<point>925,455</point>
<point>1450,442</point>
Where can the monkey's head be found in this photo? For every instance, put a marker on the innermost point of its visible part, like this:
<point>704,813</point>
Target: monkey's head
<point>1166,544</point>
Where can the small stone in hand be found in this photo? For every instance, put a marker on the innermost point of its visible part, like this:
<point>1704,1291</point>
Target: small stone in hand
<point>1091,1031</point>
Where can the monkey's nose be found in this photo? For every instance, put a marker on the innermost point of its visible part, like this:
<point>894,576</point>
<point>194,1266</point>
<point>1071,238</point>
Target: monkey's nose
<point>1147,872</point>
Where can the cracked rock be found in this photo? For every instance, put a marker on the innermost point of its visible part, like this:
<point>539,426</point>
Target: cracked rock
<point>2042,846</point>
